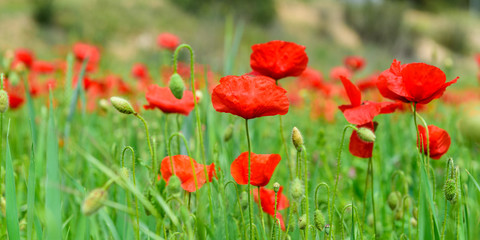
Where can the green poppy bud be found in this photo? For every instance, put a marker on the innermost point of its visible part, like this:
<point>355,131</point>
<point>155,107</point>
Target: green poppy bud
<point>94,201</point>
<point>3,101</point>
<point>174,185</point>
<point>297,190</point>
<point>276,187</point>
<point>302,222</point>
<point>122,105</point>
<point>176,85</point>
<point>319,220</point>
<point>124,173</point>
<point>394,199</point>
<point>366,134</point>
<point>413,221</point>
<point>297,139</point>
<point>399,214</point>
<point>450,190</point>
<point>228,133</point>
<point>104,105</point>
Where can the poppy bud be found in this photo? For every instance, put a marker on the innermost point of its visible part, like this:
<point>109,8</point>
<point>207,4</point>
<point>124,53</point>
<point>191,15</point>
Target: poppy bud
<point>413,221</point>
<point>3,101</point>
<point>327,229</point>
<point>319,220</point>
<point>122,105</point>
<point>276,187</point>
<point>173,186</point>
<point>94,201</point>
<point>244,199</point>
<point>366,134</point>
<point>228,133</point>
<point>176,85</point>
<point>399,214</point>
<point>297,139</point>
<point>302,222</point>
<point>394,199</point>
<point>297,189</point>
<point>104,105</point>
<point>415,212</point>
<point>124,173</point>
<point>450,190</point>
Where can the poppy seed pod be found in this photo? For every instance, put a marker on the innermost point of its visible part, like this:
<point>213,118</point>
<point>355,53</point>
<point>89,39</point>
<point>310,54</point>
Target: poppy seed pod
<point>297,189</point>
<point>297,139</point>
<point>302,222</point>
<point>394,199</point>
<point>366,134</point>
<point>3,101</point>
<point>319,220</point>
<point>176,85</point>
<point>450,190</point>
<point>228,133</point>
<point>94,201</point>
<point>122,105</point>
<point>276,187</point>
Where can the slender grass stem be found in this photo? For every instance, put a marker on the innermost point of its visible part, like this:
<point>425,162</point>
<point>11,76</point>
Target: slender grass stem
<point>137,226</point>
<point>306,187</point>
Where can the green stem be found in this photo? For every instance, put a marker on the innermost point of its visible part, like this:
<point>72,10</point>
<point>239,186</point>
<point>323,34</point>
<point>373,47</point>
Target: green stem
<point>287,155</point>
<point>275,217</point>
<point>239,205</point>
<point>367,178</point>
<point>154,164</point>
<point>322,184</point>
<point>137,226</point>
<point>188,154</point>
<point>261,210</point>
<point>370,162</point>
<point>306,186</point>
<point>250,209</point>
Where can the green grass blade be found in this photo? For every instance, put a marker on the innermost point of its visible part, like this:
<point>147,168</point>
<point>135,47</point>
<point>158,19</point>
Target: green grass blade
<point>52,182</point>
<point>429,210</point>
<point>31,195</point>
<point>473,180</point>
<point>13,228</point>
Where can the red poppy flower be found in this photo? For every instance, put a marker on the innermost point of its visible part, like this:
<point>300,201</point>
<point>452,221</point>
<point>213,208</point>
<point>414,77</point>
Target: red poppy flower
<point>168,41</point>
<point>43,67</point>
<point>24,56</point>
<point>357,146</point>
<point>163,99</point>
<point>140,71</point>
<point>477,57</point>
<point>184,171</point>
<point>16,95</point>
<point>83,50</point>
<point>278,59</point>
<point>369,82</point>
<point>262,168</point>
<point>313,79</point>
<point>337,72</point>
<point>359,112</point>
<point>268,202</point>
<point>250,97</point>
<point>413,82</point>
<point>438,140</point>
<point>354,63</point>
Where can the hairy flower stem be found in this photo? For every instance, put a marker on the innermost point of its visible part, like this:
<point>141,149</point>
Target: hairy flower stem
<point>250,208</point>
<point>339,162</point>
<point>154,164</point>
<point>306,187</point>
<point>284,142</point>
<point>260,210</point>
<point>137,226</point>
<point>273,236</point>
<point>197,116</point>
<point>179,135</point>
<point>370,163</point>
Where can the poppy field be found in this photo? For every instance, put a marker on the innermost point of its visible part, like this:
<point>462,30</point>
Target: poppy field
<point>273,149</point>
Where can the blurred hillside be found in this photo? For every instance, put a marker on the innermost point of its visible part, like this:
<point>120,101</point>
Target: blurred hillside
<point>126,30</point>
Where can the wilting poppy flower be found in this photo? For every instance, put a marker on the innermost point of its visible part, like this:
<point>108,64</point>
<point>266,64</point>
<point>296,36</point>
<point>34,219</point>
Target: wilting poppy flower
<point>357,146</point>
<point>262,168</point>
<point>359,112</point>
<point>337,72</point>
<point>267,198</point>
<point>354,63</point>
<point>184,171</point>
<point>24,56</point>
<point>438,140</point>
<point>278,59</point>
<point>163,99</point>
<point>413,82</point>
<point>250,97</point>
<point>168,41</point>
<point>83,50</point>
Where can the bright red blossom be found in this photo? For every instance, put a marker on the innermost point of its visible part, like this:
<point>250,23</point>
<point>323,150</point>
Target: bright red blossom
<point>413,82</point>
<point>43,67</point>
<point>168,41</point>
<point>354,63</point>
<point>262,168</point>
<point>24,56</point>
<point>278,59</point>
<point>163,99</point>
<point>438,140</point>
<point>250,97</point>
<point>184,171</point>
<point>357,146</point>
<point>267,198</point>
<point>83,50</point>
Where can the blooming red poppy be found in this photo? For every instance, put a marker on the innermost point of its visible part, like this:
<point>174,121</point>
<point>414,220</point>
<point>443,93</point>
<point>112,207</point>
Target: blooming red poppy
<point>357,146</point>
<point>168,41</point>
<point>24,56</point>
<point>313,79</point>
<point>43,67</point>
<point>370,82</point>
<point>163,99</point>
<point>413,82</point>
<point>262,168</point>
<point>359,112</point>
<point>16,95</point>
<point>250,97</point>
<point>83,50</point>
<point>354,63</point>
<point>140,71</point>
<point>340,71</point>
<point>278,59</point>
<point>267,198</point>
<point>183,170</point>
<point>438,140</point>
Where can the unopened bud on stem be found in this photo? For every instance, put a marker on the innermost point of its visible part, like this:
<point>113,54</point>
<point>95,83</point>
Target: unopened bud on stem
<point>176,85</point>
<point>122,105</point>
<point>366,134</point>
<point>297,139</point>
<point>94,201</point>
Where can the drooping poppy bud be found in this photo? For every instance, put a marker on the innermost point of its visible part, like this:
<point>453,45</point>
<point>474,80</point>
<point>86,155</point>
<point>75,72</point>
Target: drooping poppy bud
<point>297,139</point>
<point>399,214</point>
<point>366,134</point>
<point>122,105</point>
<point>302,222</point>
<point>94,201</point>
<point>176,85</point>
<point>174,184</point>
<point>3,101</point>
<point>124,173</point>
<point>297,189</point>
<point>394,199</point>
<point>413,221</point>
<point>450,190</point>
<point>319,220</point>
